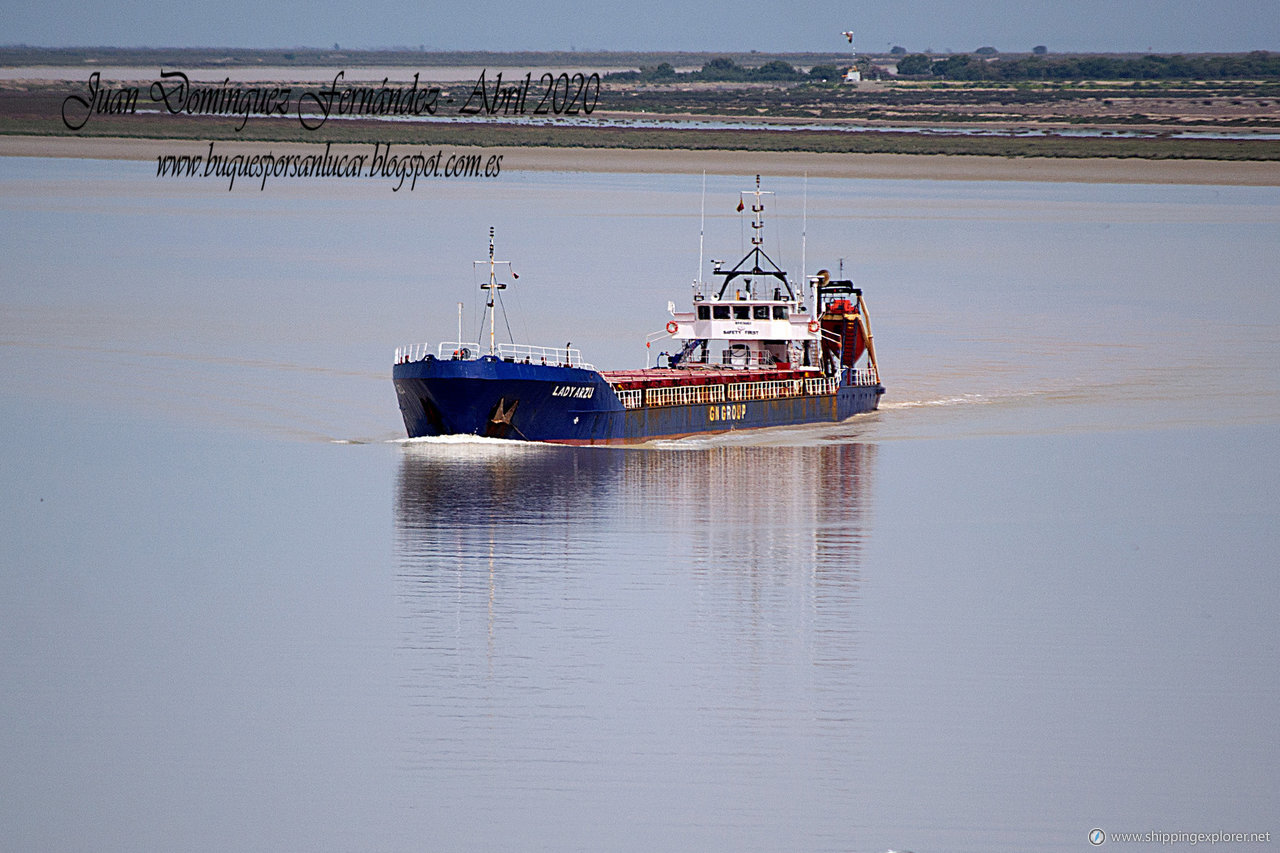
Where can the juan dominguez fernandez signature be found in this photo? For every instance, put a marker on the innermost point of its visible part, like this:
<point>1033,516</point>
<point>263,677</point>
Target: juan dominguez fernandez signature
<point>556,95</point>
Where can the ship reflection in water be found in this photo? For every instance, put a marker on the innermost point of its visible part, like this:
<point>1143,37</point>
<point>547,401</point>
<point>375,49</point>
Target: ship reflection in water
<point>679,625</point>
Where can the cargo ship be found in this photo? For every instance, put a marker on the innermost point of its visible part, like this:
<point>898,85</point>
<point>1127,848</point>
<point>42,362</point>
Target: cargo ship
<point>755,351</point>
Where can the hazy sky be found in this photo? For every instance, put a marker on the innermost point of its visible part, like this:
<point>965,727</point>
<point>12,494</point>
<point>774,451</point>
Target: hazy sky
<point>1010,25</point>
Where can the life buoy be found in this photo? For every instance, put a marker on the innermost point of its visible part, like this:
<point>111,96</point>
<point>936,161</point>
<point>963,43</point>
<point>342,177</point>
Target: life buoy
<point>673,327</point>
<point>813,326</point>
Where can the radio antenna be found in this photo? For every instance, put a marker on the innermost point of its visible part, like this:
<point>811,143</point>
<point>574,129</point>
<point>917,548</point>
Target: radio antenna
<point>804,229</point>
<point>702,229</point>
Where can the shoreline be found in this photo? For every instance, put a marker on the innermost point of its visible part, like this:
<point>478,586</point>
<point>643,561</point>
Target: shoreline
<point>685,161</point>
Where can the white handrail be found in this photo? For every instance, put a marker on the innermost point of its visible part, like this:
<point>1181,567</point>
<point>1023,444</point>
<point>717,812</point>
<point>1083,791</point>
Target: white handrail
<point>413,352</point>
<point>555,356</point>
<point>521,353</point>
<point>862,376</point>
<point>684,395</point>
<point>458,350</point>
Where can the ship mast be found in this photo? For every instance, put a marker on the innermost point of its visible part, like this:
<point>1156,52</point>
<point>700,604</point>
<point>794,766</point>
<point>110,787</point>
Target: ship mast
<point>492,285</point>
<point>756,262</point>
<point>757,207</point>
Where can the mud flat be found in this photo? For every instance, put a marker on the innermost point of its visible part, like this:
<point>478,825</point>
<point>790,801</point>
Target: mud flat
<point>886,166</point>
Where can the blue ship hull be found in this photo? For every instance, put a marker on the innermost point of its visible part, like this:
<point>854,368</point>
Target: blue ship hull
<point>570,405</point>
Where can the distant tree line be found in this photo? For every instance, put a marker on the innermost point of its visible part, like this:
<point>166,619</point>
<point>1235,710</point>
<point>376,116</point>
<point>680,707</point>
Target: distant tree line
<point>1259,64</point>
<point>723,69</point>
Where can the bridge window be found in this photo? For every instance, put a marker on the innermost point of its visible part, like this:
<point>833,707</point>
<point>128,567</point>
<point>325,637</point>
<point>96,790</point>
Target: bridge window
<point>779,312</point>
<point>761,312</point>
<point>742,312</point>
<point>720,312</point>
<point>704,312</point>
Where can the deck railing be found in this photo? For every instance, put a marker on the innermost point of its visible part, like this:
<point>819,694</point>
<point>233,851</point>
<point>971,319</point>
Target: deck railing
<point>685,395</point>
<point>631,399</point>
<point>819,387</point>
<point>861,376</point>
<point>413,352</point>
<point>458,349</point>
<point>771,390</point>
<point>554,356</point>
<point>521,353</point>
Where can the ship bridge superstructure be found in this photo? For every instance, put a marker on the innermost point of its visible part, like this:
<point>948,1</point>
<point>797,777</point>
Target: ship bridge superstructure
<point>752,317</point>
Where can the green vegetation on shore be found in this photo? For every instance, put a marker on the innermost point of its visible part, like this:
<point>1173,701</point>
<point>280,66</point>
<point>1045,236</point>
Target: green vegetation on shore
<point>723,69</point>
<point>1258,65</point>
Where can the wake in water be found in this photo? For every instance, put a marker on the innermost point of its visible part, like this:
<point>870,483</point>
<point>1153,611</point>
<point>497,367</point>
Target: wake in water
<point>961,400</point>
<point>469,445</point>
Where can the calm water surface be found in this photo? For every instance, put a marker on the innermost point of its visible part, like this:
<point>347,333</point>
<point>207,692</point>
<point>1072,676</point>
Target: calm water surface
<point>1033,595</point>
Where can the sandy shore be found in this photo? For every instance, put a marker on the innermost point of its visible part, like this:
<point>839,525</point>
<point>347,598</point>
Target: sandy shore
<point>884,166</point>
